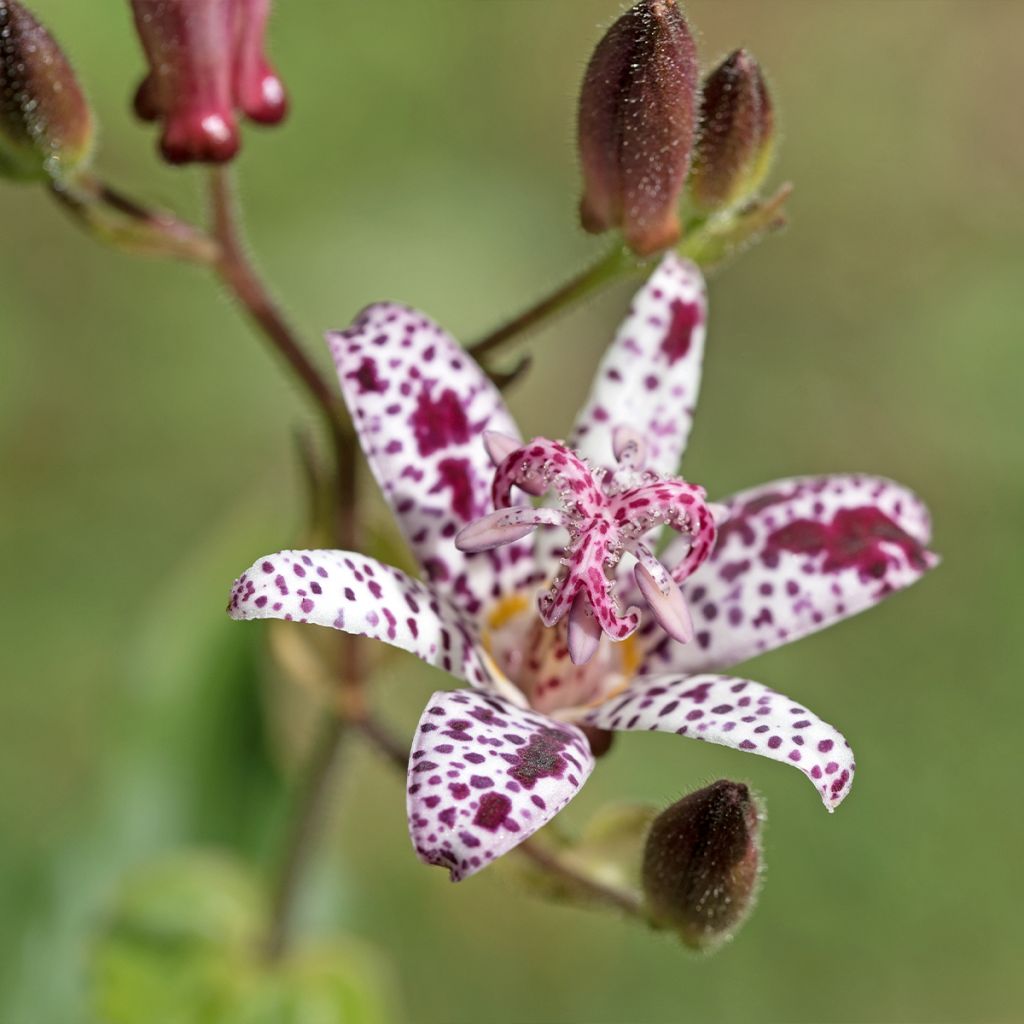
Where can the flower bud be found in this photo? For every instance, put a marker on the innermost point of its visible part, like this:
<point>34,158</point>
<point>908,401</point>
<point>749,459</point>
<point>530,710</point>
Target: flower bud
<point>637,117</point>
<point>46,126</point>
<point>736,136</point>
<point>206,61</point>
<point>701,863</point>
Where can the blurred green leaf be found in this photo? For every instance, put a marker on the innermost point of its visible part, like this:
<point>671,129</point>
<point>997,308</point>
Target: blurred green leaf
<point>337,984</point>
<point>177,942</point>
<point>182,946</point>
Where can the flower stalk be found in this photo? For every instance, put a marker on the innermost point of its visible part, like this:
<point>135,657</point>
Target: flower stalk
<point>123,223</point>
<point>236,271</point>
<point>616,263</point>
<point>302,832</point>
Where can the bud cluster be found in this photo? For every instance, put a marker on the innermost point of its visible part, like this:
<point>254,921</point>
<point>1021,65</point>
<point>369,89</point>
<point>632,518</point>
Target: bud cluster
<point>644,119</point>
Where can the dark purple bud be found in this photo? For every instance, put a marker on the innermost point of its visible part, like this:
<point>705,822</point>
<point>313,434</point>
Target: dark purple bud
<point>736,135</point>
<point>46,126</point>
<point>701,863</point>
<point>637,118</point>
<point>206,62</point>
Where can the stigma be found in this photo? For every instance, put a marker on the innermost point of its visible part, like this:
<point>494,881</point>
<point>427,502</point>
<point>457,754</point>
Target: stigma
<point>607,513</point>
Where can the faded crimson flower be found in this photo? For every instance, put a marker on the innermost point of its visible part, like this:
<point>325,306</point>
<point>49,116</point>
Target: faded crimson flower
<point>206,62</point>
<point>493,763</point>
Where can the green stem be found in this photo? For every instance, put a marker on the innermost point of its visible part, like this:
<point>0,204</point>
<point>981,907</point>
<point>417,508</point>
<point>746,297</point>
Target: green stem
<point>613,264</point>
<point>302,833</point>
<point>582,885</point>
<point>116,220</point>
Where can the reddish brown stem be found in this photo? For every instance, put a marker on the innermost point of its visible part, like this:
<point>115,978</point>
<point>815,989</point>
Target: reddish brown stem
<point>238,274</point>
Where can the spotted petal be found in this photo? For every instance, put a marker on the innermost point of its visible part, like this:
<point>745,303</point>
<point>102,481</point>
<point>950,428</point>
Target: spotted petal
<point>735,713</point>
<point>360,595</point>
<point>649,378</point>
<point>485,775</point>
<point>420,405</point>
<point>793,557</point>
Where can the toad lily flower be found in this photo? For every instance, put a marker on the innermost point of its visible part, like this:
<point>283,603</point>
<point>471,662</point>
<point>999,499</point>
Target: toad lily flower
<point>493,763</point>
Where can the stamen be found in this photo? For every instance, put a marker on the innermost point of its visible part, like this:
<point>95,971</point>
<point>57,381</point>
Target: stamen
<point>629,448</point>
<point>667,605</point>
<point>719,512</point>
<point>584,633</point>
<point>605,514</point>
<point>505,526</point>
<point>499,446</point>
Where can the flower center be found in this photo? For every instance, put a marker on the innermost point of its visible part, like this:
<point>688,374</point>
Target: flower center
<point>536,659</point>
<point>606,514</point>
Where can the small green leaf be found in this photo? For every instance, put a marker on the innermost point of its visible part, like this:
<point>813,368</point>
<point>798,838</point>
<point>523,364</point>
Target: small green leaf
<point>338,984</point>
<point>183,945</point>
<point>175,947</point>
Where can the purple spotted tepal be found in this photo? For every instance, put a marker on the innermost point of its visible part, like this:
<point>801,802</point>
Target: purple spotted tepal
<point>493,763</point>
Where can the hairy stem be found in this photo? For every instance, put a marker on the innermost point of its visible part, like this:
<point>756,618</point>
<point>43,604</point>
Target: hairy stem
<point>240,276</point>
<point>614,264</point>
<point>582,885</point>
<point>237,272</point>
<point>302,832</point>
<point>116,220</point>
<point>392,749</point>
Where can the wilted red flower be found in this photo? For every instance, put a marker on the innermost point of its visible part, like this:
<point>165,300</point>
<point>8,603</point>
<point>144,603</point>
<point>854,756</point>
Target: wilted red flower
<point>206,62</point>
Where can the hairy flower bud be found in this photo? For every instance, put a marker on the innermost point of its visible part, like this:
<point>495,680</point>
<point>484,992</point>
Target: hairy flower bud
<point>736,136</point>
<point>206,62</point>
<point>46,127</point>
<point>701,863</point>
<point>637,116</point>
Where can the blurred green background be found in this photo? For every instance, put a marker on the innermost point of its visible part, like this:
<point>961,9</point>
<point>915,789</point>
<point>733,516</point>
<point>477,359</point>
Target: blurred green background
<point>146,458</point>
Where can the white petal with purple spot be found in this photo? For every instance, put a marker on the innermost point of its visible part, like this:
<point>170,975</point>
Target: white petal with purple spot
<point>649,378</point>
<point>735,713</point>
<point>485,775</point>
<point>793,557</point>
<point>360,595</point>
<point>420,405</point>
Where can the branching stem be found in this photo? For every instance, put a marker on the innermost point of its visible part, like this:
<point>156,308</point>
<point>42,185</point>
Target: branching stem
<point>236,271</point>
<point>615,263</point>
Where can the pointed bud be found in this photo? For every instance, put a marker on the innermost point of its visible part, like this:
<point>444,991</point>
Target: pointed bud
<point>206,61</point>
<point>46,127</point>
<point>701,863</point>
<point>637,116</point>
<point>737,135</point>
